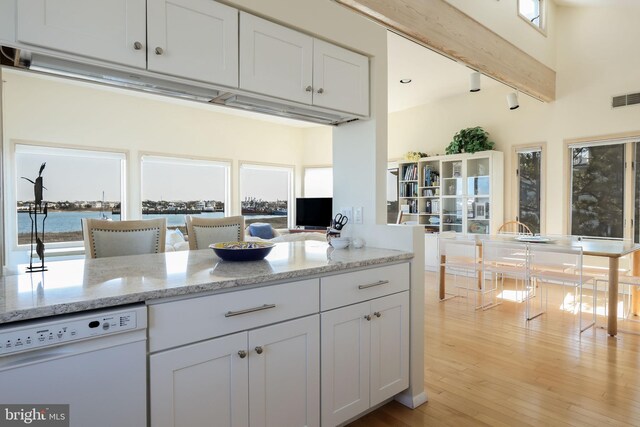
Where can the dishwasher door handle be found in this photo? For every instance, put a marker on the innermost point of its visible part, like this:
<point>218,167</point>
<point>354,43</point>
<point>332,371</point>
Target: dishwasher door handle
<point>249,310</point>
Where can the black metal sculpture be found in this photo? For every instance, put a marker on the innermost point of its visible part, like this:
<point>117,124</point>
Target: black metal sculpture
<point>34,210</point>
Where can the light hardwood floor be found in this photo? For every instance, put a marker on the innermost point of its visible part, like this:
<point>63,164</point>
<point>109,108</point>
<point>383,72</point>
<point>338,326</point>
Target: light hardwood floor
<point>491,368</point>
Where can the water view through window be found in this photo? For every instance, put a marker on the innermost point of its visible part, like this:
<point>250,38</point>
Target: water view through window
<point>78,184</point>
<point>175,187</point>
<point>266,193</point>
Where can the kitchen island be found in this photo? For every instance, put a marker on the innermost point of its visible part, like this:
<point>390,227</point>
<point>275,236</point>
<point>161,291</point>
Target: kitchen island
<point>261,329</point>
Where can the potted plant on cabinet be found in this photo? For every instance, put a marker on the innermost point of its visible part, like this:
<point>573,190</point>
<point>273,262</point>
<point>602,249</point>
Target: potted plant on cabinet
<point>470,140</point>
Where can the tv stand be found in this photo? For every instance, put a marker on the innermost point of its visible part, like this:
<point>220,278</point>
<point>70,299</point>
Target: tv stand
<point>308,230</point>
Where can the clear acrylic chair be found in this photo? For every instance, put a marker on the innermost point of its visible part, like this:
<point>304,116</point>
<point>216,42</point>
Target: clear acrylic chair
<point>561,265</point>
<point>462,261</point>
<point>502,260</point>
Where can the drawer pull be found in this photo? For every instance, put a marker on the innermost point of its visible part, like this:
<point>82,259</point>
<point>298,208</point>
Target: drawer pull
<point>371,285</point>
<point>249,310</point>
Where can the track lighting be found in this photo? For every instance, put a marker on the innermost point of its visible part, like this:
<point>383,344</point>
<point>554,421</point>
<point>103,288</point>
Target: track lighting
<point>512,100</point>
<point>474,82</point>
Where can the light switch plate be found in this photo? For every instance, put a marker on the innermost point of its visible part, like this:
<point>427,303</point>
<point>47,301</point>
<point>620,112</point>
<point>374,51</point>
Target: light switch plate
<point>357,215</point>
<point>348,212</point>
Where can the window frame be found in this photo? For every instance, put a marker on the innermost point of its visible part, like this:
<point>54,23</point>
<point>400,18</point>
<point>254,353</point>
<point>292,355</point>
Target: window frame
<point>628,141</point>
<point>291,214</point>
<point>542,28</point>
<point>11,191</point>
<point>524,148</point>
<point>227,164</point>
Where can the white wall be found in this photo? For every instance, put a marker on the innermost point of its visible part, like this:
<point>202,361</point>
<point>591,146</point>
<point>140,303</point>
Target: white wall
<point>594,62</point>
<point>502,18</point>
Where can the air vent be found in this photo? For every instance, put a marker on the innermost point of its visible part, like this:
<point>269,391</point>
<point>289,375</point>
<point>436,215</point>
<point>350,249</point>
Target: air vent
<point>624,100</point>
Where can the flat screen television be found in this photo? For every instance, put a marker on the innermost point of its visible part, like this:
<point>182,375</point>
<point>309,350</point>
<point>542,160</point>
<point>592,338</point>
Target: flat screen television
<point>314,212</point>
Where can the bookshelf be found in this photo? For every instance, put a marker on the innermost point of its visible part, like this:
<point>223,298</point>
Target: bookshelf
<point>460,192</point>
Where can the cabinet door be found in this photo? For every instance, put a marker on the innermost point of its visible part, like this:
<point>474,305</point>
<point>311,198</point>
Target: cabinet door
<point>194,39</point>
<point>345,347</point>
<point>340,79</point>
<point>284,374</point>
<point>105,30</point>
<point>275,60</point>
<point>198,383</point>
<point>389,346</point>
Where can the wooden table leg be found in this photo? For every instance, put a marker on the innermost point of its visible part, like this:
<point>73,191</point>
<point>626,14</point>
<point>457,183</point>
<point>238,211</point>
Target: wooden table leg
<point>612,318</point>
<point>635,293</point>
<point>443,258</point>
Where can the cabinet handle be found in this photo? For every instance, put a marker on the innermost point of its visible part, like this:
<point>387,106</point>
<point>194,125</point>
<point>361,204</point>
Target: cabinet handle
<point>259,350</point>
<point>137,45</point>
<point>320,90</point>
<point>159,51</point>
<point>242,354</point>
<point>308,88</point>
<point>371,285</point>
<point>377,314</point>
<point>249,310</point>
<point>368,317</point>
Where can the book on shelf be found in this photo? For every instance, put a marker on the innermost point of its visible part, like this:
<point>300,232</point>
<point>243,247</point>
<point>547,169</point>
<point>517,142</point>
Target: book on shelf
<point>410,172</point>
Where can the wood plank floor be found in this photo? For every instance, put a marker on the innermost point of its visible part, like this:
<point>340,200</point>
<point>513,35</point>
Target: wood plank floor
<point>491,368</point>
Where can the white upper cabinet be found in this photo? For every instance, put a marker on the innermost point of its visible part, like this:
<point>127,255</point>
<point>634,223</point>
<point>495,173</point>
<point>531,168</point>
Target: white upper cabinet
<point>194,39</point>
<point>113,30</point>
<point>281,62</point>
<point>340,79</point>
<point>275,60</point>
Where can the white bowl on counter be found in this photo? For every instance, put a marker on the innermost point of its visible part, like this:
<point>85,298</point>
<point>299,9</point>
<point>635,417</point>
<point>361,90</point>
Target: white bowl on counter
<point>340,242</point>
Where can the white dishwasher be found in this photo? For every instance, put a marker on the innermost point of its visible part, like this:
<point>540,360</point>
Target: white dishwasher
<point>95,362</point>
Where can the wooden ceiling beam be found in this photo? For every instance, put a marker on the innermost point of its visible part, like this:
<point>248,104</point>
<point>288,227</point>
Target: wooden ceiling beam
<point>443,28</point>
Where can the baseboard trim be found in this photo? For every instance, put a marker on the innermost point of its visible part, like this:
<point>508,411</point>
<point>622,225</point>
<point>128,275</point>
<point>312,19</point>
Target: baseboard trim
<point>411,401</point>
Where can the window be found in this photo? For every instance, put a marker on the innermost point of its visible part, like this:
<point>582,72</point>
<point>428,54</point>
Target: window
<point>597,190</point>
<point>266,193</point>
<point>532,11</point>
<point>529,191</point>
<point>318,182</point>
<point>78,184</point>
<point>174,187</point>
<point>636,204</point>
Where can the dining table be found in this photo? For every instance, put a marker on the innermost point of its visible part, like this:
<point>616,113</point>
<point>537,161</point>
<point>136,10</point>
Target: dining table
<point>612,249</point>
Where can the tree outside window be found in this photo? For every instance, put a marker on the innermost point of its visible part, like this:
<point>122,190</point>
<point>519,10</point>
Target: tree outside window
<point>597,190</point>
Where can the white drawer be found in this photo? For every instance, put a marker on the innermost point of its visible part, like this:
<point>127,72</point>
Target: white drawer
<point>351,288</point>
<point>182,322</point>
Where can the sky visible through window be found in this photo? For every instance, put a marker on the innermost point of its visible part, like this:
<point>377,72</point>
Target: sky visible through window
<point>530,9</point>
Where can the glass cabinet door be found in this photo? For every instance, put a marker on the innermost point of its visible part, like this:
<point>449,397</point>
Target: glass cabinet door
<point>478,191</point>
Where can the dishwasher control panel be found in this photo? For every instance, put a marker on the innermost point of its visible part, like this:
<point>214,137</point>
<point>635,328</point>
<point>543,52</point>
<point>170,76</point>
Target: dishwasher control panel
<point>54,331</point>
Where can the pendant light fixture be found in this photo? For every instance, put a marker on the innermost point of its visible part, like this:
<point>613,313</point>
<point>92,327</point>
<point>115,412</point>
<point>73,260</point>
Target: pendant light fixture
<point>474,82</point>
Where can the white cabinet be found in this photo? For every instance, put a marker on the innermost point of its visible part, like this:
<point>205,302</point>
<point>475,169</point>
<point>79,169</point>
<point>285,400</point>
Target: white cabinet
<point>237,358</point>
<point>365,356</point>
<point>275,60</point>
<point>113,30</point>
<point>192,39</point>
<point>194,384</point>
<point>284,374</point>
<point>340,79</point>
<point>431,252</point>
<point>281,62</point>
<point>264,377</point>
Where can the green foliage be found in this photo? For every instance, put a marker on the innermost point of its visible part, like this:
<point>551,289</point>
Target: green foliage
<point>470,140</point>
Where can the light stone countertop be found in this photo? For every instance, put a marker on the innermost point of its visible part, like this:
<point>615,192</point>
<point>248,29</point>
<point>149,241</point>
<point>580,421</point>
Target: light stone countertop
<point>78,285</point>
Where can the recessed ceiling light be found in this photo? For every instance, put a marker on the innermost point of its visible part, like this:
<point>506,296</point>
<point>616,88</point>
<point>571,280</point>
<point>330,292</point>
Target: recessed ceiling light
<point>405,81</point>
